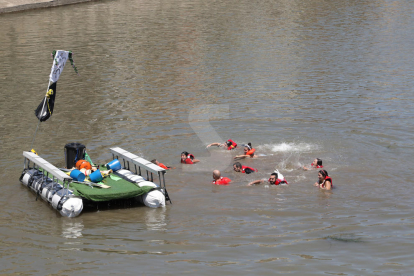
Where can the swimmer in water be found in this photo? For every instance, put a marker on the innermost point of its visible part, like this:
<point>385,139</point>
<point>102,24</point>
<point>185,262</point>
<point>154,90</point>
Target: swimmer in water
<point>317,164</point>
<point>155,161</point>
<point>248,152</point>
<point>273,180</point>
<point>325,182</point>
<point>187,158</point>
<point>243,169</point>
<point>219,180</point>
<point>229,144</point>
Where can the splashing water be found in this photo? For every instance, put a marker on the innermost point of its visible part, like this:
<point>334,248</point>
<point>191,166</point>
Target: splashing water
<point>289,147</point>
<point>291,153</point>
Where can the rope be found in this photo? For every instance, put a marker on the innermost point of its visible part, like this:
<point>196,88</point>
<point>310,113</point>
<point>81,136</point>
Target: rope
<point>35,134</point>
<point>47,93</point>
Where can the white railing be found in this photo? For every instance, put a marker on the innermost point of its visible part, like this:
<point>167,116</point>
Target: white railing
<point>131,161</point>
<point>45,166</point>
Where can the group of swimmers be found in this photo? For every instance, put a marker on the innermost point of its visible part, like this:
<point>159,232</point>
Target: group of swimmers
<point>324,181</point>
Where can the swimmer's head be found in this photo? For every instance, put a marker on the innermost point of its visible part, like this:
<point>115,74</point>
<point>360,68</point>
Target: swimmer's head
<point>154,161</point>
<point>247,147</point>
<point>237,166</point>
<point>317,162</point>
<point>216,174</point>
<point>273,178</point>
<point>228,143</point>
<point>322,174</point>
<point>184,155</point>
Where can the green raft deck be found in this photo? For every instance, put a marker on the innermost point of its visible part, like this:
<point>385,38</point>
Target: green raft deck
<point>119,189</point>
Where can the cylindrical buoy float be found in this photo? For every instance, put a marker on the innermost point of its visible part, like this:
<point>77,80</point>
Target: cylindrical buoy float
<point>136,178</point>
<point>36,179</point>
<point>28,176</point>
<point>66,203</point>
<point>61,199</point>
<point>130,176</point>
<point>72,207</point>
<point>154,198</point>
<point>147,184</point>
<point>40,183</point>
<point>49,190</point>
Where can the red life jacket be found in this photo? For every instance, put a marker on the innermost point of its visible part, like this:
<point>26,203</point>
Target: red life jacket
<point>222,181</point>
<point>189,159</point>
<point>251,169</point>
<point>232,146</point>
<point>317,166</point>
<point>279,182</point>
<point>329,179</point>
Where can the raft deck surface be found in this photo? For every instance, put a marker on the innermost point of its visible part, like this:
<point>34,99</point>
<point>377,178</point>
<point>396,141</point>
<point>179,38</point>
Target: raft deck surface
<point>120,189</point>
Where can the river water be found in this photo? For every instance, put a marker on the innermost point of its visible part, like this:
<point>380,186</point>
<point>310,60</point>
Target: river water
<point>297,79</point>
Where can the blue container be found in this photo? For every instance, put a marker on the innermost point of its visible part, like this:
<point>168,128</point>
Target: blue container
<point>77,175</point>
<point>96,176</point>
<point>114,165</point>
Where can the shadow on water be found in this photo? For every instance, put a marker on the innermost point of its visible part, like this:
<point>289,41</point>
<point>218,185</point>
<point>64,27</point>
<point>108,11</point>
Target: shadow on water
<point>90,206</point>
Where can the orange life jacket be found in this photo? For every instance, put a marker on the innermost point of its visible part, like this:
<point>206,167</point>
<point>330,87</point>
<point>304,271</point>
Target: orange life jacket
<point>83,164</point>
<point>251,152</point>
<point>162,166</point>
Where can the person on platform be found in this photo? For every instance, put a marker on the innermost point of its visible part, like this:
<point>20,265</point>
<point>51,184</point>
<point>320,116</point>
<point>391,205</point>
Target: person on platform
<point>219,180</point>
<point>324,181</point>
<point>187,158</point>
<point>273,180</point>
<point>243,169</point>
<point>248,152</point>
<point>317,164</point>
<point>229,144</point>
<point>159,164</point>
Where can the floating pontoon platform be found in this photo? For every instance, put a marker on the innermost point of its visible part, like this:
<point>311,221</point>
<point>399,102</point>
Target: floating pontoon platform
<point>67,195</point>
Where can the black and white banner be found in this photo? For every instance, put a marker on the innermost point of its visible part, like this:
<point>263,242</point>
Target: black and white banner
<point>58,64</point>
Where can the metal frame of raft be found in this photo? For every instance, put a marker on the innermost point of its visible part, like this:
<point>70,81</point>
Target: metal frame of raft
<point>129,157</point>
<point>58,195</point>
